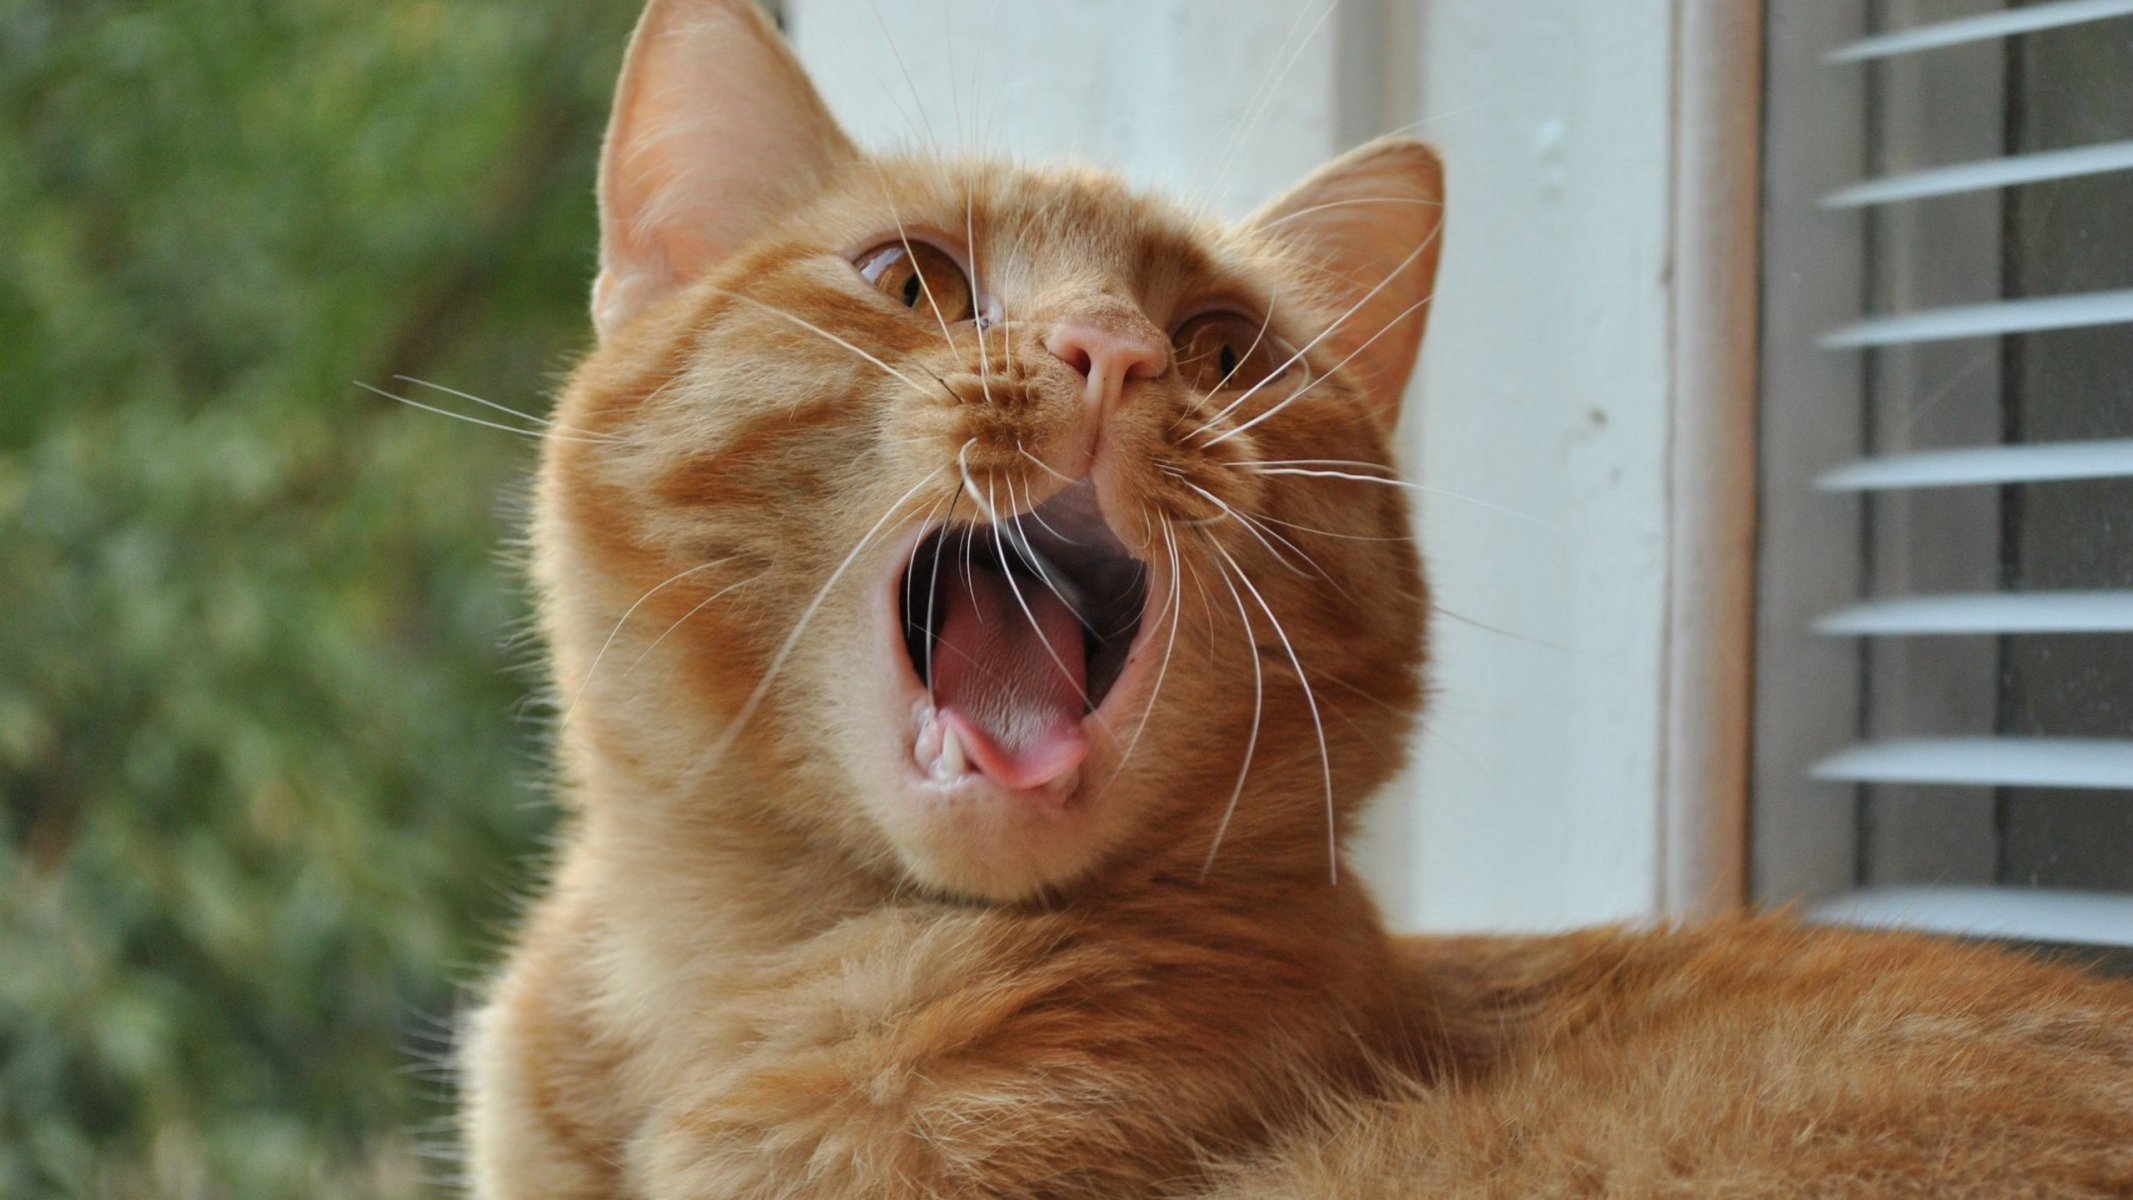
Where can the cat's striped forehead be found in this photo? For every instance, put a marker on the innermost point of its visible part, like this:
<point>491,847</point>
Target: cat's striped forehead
<point>1032,230</point>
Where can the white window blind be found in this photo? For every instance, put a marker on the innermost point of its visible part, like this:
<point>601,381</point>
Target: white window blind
<point>1944,726</point>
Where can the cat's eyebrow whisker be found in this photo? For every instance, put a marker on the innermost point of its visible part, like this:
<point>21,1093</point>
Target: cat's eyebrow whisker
<point>818,331</point>
<point>1251,744</point>
<point>807,616</point>
<point>1263,97</point>
<point>1325,758</point>
<point>917,102</point>
<point>970,242</point>
<point>904,236</point>
<point>535,434</point>
<point>1349,203</point>
<point>612,634</point>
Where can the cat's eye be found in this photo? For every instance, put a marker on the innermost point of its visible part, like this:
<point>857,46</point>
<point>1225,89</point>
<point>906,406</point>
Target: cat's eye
<point>920,277</point>
<point>1224,350</point>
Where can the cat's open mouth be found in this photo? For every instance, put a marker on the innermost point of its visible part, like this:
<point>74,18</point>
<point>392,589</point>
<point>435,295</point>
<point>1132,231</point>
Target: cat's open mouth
<point>1019,629</point>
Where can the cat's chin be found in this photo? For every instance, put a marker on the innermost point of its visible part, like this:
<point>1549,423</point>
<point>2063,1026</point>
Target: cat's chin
<point>1006,765</point>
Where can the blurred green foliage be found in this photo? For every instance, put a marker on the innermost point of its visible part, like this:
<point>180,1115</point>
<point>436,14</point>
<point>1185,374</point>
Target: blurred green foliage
<point>266,776</point>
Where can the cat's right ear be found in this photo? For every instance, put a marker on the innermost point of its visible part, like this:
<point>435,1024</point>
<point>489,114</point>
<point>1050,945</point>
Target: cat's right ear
<point>1371,224</point>
<point>715,129</point>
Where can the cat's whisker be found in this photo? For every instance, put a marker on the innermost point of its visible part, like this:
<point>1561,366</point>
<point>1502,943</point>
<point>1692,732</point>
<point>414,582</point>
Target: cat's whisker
<point>1337,324</point>
<point>1037,510</point>
<point>1500,631</point>
<point>1257,524</point>
<point>1246,525</point>
<point>917,102</point>
<point>1433,118</point>
<point>903,236</point>
<point>1299,393</point>
<point>926,632</point>
<point>684,619</point>
<point>535,434</point>
<point>543,422</point>
<point>1251,745</point>
<point>1046,467</point>
<point>1350,202</point>
<point>933,593</point>
<point>1173,601</point>
<point>624,620</point>
<point>962,462</point>
<point>818,331</point>
<point>1284,466</point>
<point>970,241</point>
<point>1325,758</point>
<point>1363,463</point>
<point>999,546</point>
<point>1333,533</point>
<point>945,389</point>
<point>807,616</point>
<point>1028,552</point>
<point>1266,321</point>
<point>1410,484</point>
<point>1261,100</point>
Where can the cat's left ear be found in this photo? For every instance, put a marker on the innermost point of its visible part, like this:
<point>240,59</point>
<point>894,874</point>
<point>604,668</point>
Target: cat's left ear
<point>1370,224</point>
<point>716,129</point>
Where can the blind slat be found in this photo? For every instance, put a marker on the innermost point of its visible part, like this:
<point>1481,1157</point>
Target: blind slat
<point>2026,612</point>
<point>2043,462</point>
<point>1982,27</point>
<point>1986,762</point>
<point>2030,315</point>
<point>1986,173</point>
<point>2022,914</point>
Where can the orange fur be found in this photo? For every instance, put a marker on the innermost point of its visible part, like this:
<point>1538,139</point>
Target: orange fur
<point>777,961</point>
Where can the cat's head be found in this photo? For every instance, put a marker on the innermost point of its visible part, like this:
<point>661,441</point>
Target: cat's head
<point>991,528</point>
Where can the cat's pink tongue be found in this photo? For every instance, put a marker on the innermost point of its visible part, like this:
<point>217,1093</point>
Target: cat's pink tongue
<point>1008,683</point>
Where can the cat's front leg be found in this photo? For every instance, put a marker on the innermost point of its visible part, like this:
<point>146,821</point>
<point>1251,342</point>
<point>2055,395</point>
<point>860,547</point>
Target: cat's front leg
<point>521,1063</point>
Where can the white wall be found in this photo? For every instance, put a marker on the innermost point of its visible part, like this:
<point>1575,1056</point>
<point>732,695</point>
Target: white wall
<point>1544,387</point>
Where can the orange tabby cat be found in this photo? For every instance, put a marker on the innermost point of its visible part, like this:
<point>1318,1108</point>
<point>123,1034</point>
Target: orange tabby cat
<point>980,611</point>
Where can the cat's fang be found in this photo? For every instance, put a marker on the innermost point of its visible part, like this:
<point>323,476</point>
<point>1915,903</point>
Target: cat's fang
<point>951,765</point>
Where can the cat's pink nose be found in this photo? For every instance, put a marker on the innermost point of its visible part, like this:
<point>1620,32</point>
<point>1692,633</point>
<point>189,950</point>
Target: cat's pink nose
<point>1109,356</point>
